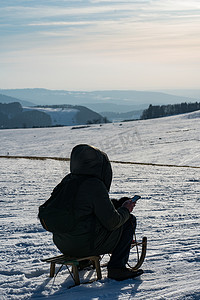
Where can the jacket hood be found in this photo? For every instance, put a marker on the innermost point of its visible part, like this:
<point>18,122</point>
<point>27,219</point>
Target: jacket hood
<point>88,160</point>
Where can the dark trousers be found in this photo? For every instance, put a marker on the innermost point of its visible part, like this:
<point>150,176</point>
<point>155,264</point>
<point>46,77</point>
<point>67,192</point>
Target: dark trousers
<point>120,254</point>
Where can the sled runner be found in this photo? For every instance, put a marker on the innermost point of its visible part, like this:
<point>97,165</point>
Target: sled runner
<point>95,262</point>
<point>140,253</point>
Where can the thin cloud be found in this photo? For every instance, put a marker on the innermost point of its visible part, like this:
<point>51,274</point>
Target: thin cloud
<point>139,31</point>
<point>140,11</point>
<point>64,23</point>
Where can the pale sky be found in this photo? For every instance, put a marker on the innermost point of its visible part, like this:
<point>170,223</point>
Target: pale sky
<point>99,44</point>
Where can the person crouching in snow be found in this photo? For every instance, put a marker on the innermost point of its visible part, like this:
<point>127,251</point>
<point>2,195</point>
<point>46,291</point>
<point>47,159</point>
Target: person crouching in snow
<point>100,226</point>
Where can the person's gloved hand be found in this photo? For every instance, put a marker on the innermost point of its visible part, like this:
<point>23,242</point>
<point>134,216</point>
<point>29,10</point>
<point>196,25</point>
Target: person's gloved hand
<point>129,204</point>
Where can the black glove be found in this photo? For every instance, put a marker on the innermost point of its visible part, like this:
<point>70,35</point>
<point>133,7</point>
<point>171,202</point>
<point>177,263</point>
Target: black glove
<point>118,203</point>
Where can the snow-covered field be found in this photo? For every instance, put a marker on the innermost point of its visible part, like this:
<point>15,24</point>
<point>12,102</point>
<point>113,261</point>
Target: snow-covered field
<point>168,213</point>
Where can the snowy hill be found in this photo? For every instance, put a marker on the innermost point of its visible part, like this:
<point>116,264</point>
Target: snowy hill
<point>59,116</point>
<point>12,115</point>
<point>70,114</point>
<point>162,165</point>
<point>193,115</point>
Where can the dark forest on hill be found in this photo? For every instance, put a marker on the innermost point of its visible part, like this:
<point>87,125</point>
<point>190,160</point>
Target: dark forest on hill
<point>157,111</point>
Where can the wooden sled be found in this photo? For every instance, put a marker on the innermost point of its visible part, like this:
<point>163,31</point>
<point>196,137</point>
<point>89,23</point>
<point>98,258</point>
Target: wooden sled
<point>74,262</point>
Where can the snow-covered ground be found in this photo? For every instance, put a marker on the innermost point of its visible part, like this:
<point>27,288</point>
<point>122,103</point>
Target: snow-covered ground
<point>168,213</point>
<point>171,140</point>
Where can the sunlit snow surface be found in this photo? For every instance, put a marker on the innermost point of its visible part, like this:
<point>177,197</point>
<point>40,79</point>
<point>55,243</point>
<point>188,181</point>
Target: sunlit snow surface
<point>168,213</point>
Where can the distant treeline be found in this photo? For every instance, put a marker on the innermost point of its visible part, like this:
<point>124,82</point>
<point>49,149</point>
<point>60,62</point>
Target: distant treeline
<point>157,111</point>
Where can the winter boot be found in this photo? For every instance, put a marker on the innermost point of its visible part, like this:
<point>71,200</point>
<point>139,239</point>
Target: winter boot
<point>120,274</point>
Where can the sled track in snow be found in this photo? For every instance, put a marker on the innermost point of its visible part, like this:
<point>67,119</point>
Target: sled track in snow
<point>112,161</point>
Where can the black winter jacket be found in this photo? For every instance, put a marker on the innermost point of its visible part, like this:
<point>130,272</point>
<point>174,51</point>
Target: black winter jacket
<point>98,224</point>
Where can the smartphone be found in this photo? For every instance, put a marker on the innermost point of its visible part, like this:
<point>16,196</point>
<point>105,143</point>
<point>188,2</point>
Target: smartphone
<point>135,198</point>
